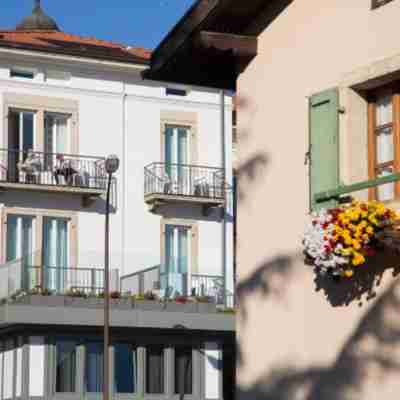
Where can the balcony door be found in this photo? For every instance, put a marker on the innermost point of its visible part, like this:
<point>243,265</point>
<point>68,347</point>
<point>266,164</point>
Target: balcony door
<point>176,266</point>
<point>21,139</point>
<point>55,252</point>
<point>177,157</point>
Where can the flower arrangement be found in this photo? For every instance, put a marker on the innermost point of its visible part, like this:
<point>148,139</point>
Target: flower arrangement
<point>338,241</point>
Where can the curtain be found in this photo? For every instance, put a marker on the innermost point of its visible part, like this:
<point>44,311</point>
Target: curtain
<point>66,366</point>
<point>183,370</point>
<point>155,370</point>
<point>183,173</point>
<point>125,369</point>
<point>55,251</point>
<point>61,134</point>
<point>13,146</point>
<point>12,231</point>
<point>169,150</point>
<point>94,367</point>
<point>385,145</point>
<point>27,132</point>
<point>182,250</point>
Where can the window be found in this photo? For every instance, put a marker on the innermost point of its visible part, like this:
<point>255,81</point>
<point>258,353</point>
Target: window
<point>65,366</point>
<point>378,3</point>
<point>175,92</point>
<point>183,370</point>
<point>125,368</point>
<point>155,370</point>
<point>383,127</point>
<point>176,266</point>
<point>94,367</point>
<point>20,238</point>
<point>21,73</point>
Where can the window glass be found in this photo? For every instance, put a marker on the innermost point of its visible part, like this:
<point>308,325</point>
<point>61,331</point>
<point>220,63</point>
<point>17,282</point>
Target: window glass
<point>66,366</point>
<point>183,370</point>
<point>155,370</point>
<point>94,367</point>
<point>125,368</point>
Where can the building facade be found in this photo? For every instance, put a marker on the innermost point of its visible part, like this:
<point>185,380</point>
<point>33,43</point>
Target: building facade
<point>66,103</point>
<point>317,110</point>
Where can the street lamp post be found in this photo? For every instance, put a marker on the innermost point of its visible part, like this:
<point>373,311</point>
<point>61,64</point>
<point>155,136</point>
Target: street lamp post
<point>111,166</point>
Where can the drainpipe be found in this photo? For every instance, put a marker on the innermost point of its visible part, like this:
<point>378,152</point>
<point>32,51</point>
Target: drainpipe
<point>124,168</point>
<point>223,158</point>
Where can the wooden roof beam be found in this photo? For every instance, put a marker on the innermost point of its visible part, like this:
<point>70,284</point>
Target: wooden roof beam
<point>241,46</point>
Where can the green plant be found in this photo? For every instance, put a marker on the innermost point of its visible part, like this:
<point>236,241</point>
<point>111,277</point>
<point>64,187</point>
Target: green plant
<point>73,292</point>
<point>204,299</point>
<point>227,310</point>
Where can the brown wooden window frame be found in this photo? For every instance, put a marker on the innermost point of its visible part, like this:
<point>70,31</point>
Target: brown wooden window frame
<point>373,167</point>
<point>379,3</point>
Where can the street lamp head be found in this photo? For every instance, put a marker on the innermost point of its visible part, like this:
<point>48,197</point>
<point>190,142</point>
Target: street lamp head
<point>112,164</point>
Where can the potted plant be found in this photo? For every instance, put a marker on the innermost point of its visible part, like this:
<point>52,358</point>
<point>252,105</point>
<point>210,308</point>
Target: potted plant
<point>77,298</point>
<point>148,301</point>
<point>181,304</point>
<point>39,297</point>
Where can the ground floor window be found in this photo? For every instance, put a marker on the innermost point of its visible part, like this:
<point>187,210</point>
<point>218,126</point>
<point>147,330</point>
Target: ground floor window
<point>183,370</point>
<point>155,370</point>
<point>94,367</point>
<point>66,366</point>
<point>125,368</point>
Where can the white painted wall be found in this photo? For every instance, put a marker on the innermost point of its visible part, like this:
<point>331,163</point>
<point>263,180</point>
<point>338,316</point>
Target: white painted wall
<point>135,232</point>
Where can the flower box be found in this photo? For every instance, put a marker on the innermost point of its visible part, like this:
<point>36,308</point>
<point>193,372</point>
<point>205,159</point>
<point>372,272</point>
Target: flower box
<point>39,300</point>
<point>148,305</point>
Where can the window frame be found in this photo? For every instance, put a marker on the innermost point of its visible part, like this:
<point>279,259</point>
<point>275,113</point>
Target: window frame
<point>373,167</point>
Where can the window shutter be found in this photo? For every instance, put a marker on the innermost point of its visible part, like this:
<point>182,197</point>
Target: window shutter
<point>324,145</point>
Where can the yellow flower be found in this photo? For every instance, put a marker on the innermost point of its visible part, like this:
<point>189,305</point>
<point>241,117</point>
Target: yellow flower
<point>358,259</point>
<point>356,244</point>
<point>370,230</point>
<point>348,273</point>
<point>347,251</point>
<point>365,238</point>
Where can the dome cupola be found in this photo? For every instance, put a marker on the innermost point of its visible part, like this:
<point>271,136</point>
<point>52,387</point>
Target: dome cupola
<point>37,21</point>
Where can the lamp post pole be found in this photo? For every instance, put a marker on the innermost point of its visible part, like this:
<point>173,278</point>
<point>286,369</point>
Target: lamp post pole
<point>111,164</point>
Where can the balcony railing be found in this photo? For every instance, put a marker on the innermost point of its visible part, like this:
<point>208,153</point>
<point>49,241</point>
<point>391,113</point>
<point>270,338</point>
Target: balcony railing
<point>16,276</point>
<point>180,181</point>
<point>55,170</point>
<point>151,280</point>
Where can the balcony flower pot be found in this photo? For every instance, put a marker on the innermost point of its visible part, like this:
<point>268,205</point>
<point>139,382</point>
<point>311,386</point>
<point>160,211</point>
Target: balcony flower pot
<point>148,305</point>
<point>85,302</point>
<point>39,300</point>
<point>122,303</point>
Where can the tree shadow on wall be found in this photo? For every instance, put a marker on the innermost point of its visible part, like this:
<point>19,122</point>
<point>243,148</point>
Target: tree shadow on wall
<point>363,286</point>
<point>370,350</point>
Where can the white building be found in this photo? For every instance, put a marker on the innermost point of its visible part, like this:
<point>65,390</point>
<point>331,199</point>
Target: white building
<point>66,103</point>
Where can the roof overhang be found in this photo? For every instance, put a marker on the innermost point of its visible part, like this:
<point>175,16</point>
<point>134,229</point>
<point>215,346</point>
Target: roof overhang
<point>212,44</point>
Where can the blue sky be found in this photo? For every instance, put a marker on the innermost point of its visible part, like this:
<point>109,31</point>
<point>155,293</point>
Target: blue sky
<point>140,23</point>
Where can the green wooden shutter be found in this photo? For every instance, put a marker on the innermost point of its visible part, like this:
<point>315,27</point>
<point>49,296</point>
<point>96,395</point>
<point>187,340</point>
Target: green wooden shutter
<point>324,145</point>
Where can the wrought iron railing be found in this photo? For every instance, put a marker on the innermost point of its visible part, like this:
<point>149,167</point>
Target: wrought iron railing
<point>150,279</point>
<point>52,169</point>
<point>184,180</point>
<point>18,276</point>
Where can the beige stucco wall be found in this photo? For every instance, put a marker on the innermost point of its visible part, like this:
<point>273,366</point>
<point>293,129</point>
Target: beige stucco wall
<point>296,343</point>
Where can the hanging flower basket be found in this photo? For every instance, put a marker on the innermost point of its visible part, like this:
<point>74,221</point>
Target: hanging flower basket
<point>339,241</point>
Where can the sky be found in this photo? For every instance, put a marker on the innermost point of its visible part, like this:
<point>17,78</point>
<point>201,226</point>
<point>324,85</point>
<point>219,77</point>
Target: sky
<point>140,23</point>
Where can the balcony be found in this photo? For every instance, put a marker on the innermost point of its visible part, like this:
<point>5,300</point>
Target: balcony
<point>184,184</point>
<point>153,279</point>
<point>19,277</point>
<point>49,172</point>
